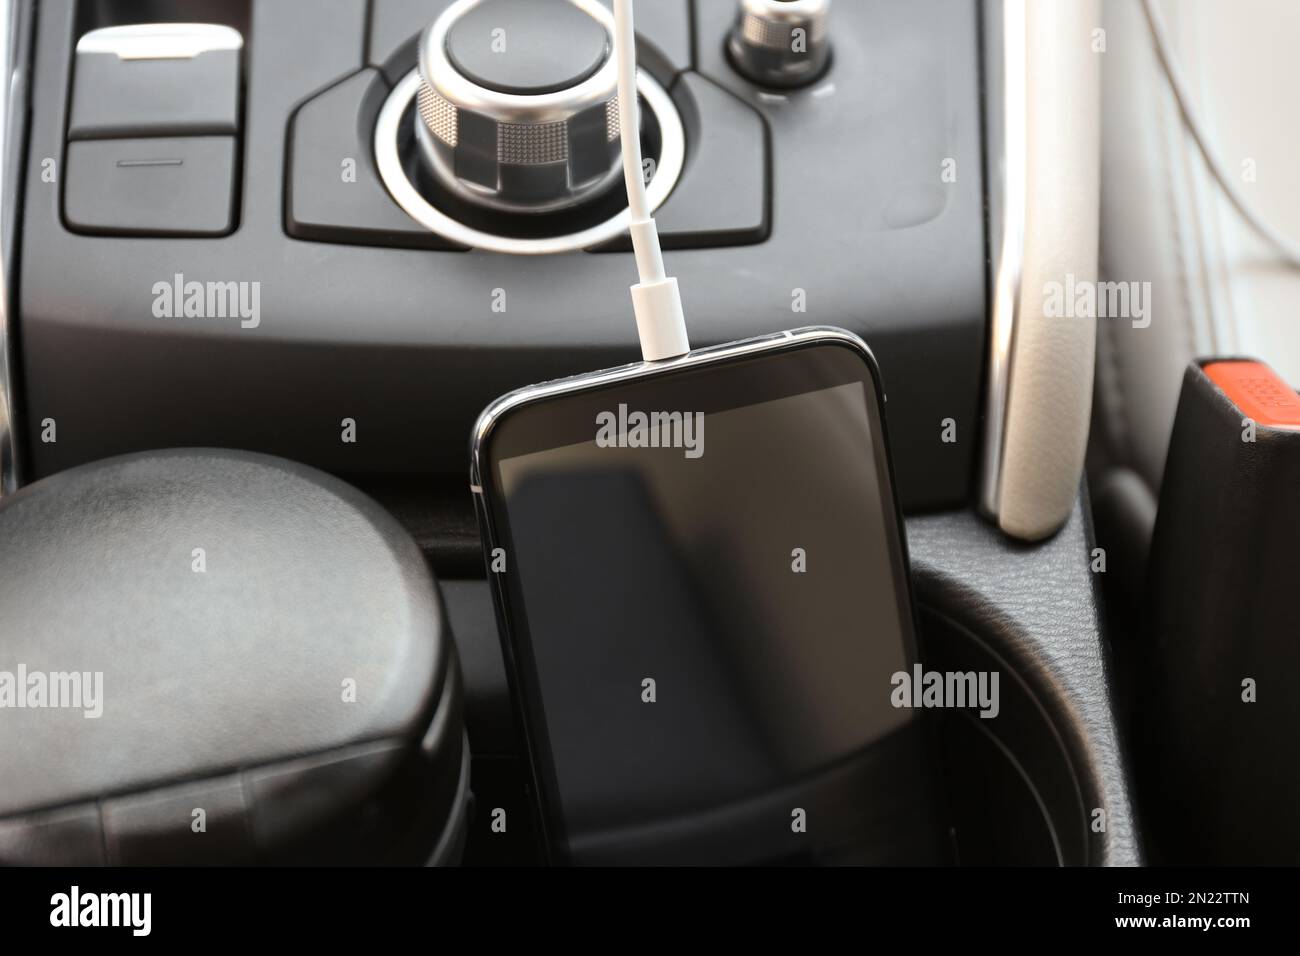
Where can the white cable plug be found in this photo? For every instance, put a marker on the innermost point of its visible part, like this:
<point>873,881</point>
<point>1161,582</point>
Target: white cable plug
<point>656,300</point>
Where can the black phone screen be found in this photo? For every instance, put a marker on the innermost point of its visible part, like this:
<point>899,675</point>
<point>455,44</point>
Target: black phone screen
<point>705,593</point>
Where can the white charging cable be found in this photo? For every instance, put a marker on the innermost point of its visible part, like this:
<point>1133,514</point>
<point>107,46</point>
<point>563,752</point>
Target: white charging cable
<point>656,300</point>
<point>1285,246</point>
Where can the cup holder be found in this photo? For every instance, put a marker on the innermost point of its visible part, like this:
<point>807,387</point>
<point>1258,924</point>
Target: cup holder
<point>1013,795</point>
<point>466,224</point>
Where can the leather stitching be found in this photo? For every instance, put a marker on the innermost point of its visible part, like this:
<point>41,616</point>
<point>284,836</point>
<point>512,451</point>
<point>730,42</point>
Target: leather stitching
<point>1164,109</point>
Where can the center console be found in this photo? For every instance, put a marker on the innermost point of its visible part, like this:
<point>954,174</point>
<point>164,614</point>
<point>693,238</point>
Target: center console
<point>334,230</point>
<point>823,203</point>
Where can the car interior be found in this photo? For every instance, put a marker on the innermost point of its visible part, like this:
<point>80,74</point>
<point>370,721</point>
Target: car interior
<point>264,263</point>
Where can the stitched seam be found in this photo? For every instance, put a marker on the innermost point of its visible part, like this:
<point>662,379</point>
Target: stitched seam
<point>1164,108</point>
<point>1217,278</point>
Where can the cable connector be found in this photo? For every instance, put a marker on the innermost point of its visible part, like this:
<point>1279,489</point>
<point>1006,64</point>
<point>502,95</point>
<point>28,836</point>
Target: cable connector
<point>657,304</point>
<point>656,300</point>
<point>659,320</point>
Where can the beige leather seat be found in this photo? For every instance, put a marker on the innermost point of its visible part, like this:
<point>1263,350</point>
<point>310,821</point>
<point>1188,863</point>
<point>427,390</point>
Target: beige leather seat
<point>1216,288</point>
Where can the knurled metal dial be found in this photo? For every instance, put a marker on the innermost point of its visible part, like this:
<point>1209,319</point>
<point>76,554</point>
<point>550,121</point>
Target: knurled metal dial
<point>781,43</point>
<point>517,108</point>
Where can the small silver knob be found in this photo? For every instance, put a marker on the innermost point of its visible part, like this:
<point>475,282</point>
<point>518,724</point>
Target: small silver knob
<point>518,102</point>
<point>781,43</point>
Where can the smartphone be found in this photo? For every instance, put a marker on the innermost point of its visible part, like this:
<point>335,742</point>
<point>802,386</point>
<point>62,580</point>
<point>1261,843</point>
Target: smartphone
<point>701,583</point>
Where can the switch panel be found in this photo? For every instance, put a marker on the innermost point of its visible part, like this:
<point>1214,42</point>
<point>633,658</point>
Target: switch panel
<point>155,186</point>
<point>156,79</point>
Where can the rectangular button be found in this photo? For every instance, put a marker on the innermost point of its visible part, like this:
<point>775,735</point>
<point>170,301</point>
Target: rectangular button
<point>1258,392</point>
<point>154,79</point>
<point>151,187</point>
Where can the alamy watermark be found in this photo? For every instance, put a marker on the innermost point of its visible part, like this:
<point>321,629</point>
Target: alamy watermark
<point>1085,299</point>
<point>133,911</point>
<point>179,299</point>
<point>55,690</point>
<point>628,429</point>
<point>946,689</point>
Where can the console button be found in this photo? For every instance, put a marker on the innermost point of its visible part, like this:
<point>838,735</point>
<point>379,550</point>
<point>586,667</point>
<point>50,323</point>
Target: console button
<point>781,43</point>
<point>151,187</point>
<point>527,47</point>
<point>156,79</point>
